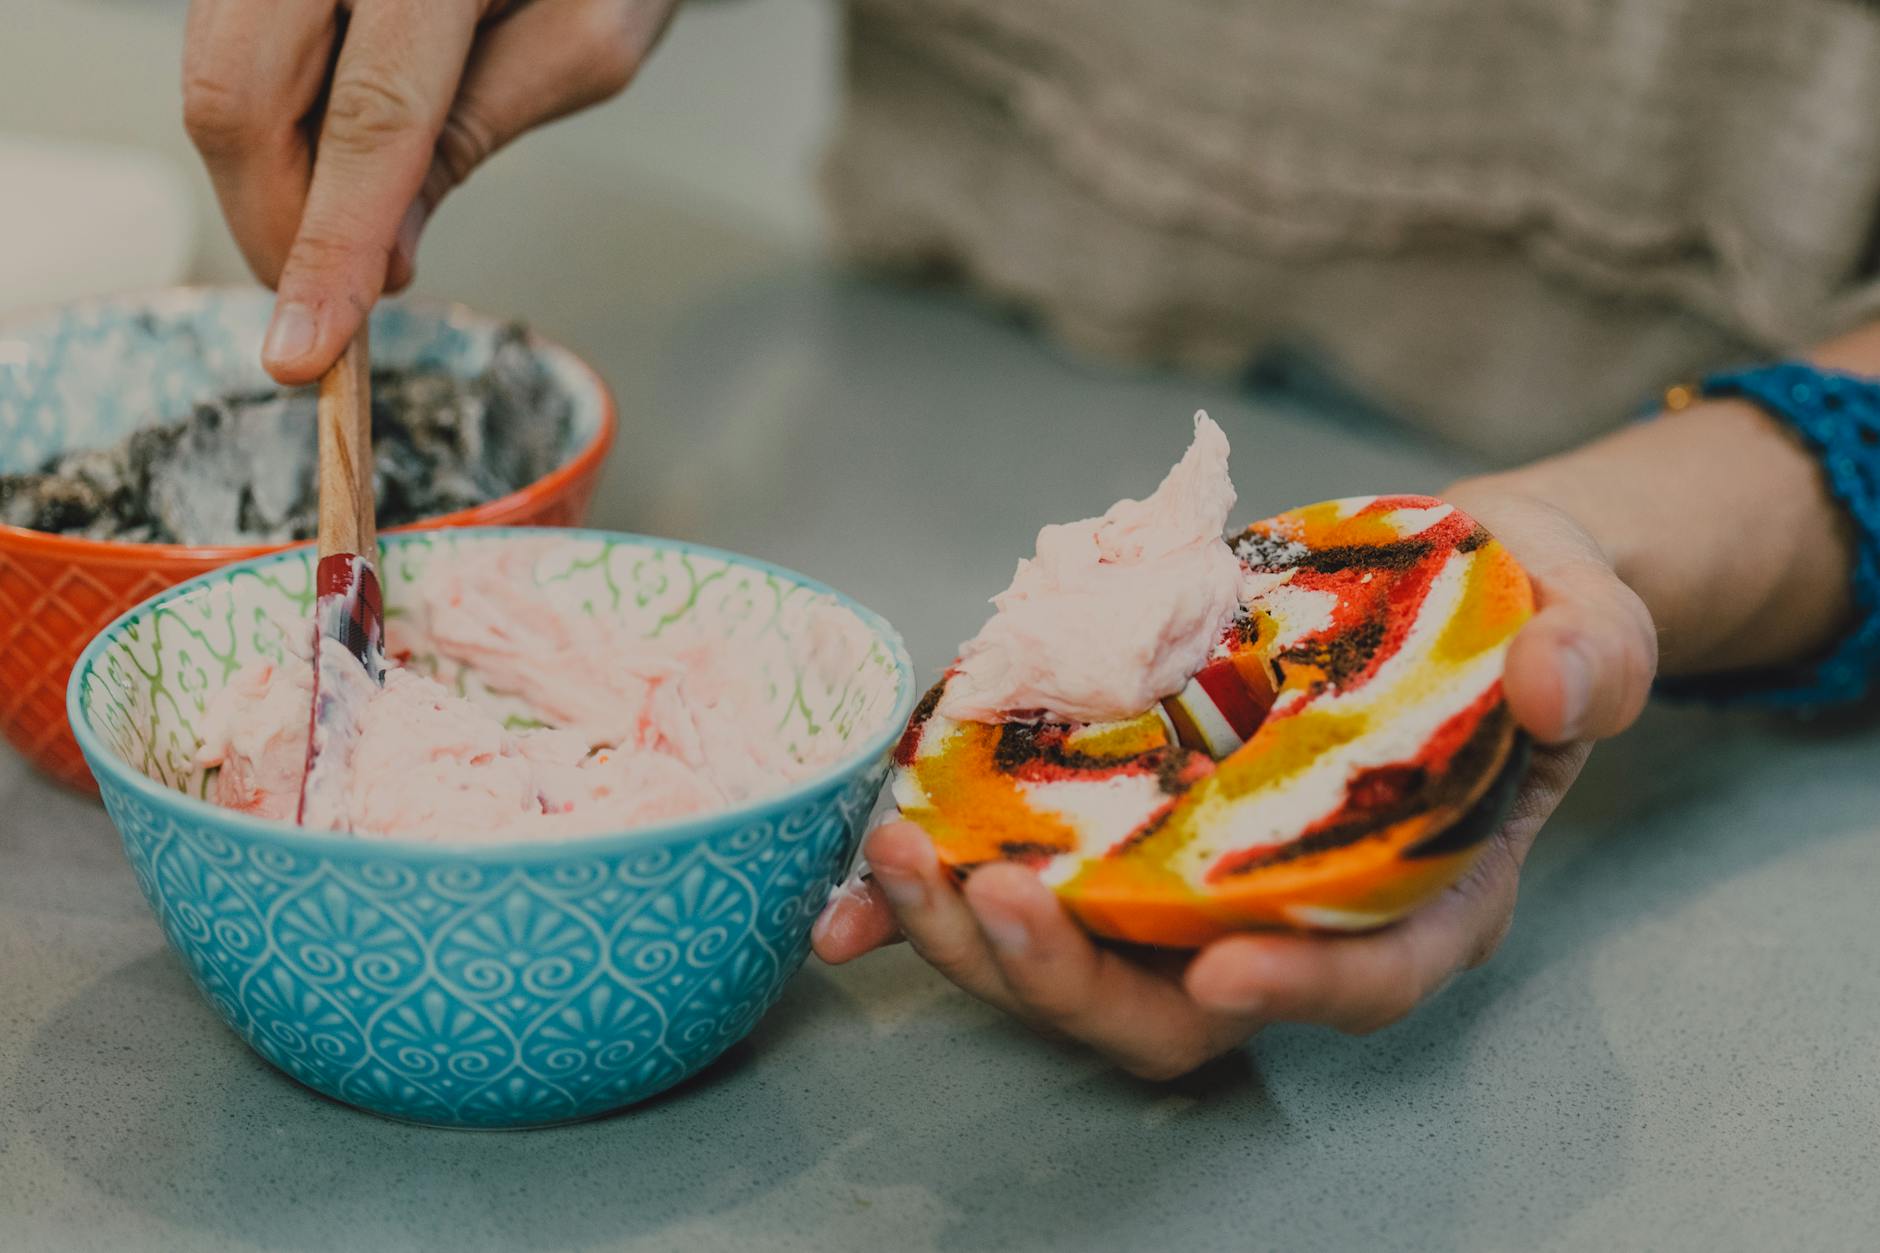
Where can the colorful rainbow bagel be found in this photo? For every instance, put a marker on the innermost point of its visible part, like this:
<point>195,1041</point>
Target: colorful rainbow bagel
<point>1339,761</point>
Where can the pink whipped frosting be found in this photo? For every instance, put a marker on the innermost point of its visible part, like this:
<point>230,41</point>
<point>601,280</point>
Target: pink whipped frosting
<point>1114,613</point>
<point>638,731</point>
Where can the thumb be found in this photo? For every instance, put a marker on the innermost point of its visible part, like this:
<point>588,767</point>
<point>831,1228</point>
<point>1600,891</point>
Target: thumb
<point>1582,667</point>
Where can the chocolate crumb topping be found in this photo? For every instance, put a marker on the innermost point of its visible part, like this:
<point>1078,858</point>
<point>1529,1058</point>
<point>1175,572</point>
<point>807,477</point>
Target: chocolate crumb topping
<point>240,469</point>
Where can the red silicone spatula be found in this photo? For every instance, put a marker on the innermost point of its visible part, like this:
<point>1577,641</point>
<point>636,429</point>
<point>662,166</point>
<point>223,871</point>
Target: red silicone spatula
<point>348,616</point>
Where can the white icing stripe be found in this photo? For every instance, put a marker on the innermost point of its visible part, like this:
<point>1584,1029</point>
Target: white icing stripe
<point>1218,737</point>
<point>1329,919</point>
<point>934,737</point>
<point>1297,612</point>
<point>1408,522</point>
<point>1058,871</point>
<point>1102,812</point>
<point>908,793</point>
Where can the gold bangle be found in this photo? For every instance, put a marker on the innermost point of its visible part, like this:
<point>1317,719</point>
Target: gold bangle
<point>1682,396</point>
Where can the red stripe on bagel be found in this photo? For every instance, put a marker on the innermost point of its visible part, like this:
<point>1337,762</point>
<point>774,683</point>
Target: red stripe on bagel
<point>1389,605</point>
<point>906,748</point>
<point>1226,686</point>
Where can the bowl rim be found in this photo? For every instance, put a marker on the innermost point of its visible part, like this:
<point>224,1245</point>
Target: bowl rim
<point>103,760</point>
<point>494,512</point>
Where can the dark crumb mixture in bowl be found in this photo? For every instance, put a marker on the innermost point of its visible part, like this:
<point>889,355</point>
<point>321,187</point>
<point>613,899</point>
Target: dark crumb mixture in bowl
<point>239,469</point>
<point>142,444</point>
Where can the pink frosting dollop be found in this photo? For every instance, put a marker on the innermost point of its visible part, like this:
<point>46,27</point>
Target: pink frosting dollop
<point>1113,613</point>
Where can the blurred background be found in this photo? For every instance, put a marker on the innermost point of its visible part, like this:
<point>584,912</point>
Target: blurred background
<point>711,154</point>
<point>676,238</point>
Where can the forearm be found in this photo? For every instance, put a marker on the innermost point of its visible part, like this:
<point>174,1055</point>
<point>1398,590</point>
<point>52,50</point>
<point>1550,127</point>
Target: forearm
<point>1720,520</point>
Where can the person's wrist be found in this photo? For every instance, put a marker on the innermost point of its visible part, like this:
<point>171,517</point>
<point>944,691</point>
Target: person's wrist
<point>1770,583</point>
<point>1718,518</point>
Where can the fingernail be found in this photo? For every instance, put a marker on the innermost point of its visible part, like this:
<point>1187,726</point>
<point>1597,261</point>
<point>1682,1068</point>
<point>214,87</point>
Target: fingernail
<point>1243,1001</point>
<point>290,334</point>
<point>904,891</point>
<point>1240,989</point>
<point>848,889</point>
<point>1576,691</point>
<point>1007,931</point>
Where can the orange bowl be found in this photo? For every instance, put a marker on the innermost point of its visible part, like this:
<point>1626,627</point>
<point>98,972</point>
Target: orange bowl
<point>87,374</point>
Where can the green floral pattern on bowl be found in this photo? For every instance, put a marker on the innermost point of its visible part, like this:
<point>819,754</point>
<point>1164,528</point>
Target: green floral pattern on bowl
<point>495,986</point>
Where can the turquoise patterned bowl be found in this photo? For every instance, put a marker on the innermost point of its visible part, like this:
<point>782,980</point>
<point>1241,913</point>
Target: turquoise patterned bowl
<point>508,985</point>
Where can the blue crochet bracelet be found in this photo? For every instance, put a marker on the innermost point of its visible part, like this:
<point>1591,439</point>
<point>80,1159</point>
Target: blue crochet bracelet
<point>1837,416</point>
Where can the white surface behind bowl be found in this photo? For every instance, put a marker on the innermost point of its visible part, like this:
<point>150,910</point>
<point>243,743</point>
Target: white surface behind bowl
<point>83,219</point>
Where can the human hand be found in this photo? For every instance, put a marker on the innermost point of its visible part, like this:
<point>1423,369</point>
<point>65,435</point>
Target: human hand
<point>1580,670</point>
<point>332,128</point>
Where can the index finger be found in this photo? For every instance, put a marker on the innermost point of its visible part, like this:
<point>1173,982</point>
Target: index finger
<point>251,76</point>
<point>392,88</point>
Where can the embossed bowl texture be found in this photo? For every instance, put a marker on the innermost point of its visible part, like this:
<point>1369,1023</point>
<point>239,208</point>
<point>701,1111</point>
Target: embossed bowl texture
<point>504,985</point>
<point>87,374</point>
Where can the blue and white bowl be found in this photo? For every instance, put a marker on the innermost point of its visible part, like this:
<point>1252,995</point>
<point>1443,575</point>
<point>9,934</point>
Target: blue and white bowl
<point>508,985</point>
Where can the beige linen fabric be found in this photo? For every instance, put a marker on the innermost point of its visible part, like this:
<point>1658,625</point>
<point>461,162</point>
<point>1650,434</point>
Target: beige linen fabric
<point>1510,220</point>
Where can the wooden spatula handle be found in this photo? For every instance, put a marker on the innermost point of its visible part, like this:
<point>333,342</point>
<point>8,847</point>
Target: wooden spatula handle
<point>347,513</point>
